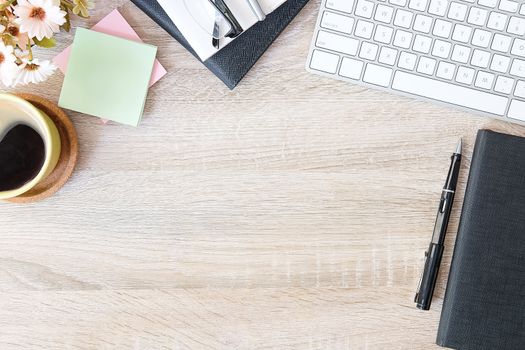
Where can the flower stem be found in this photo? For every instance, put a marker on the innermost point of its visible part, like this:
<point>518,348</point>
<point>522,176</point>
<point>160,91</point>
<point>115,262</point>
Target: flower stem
<point>30,51</point>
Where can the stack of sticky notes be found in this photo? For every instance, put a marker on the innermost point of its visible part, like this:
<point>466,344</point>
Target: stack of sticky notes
<point>108,77</point>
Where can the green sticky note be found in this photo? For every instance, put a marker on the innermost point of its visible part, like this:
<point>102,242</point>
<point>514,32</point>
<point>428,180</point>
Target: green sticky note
<point>108,77</point>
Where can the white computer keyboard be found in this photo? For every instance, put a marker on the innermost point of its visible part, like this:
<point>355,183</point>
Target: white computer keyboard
<point>466,53</point>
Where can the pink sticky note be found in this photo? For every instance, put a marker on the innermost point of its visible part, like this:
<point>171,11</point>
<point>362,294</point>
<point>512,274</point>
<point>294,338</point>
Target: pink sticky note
<point>116,25</point>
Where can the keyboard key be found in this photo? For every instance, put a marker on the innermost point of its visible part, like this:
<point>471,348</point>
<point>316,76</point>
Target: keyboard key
<point>488,3</point>
<point>465,75</point>
<point>517,110</point>
<point>398,2</point>
<point>520,89</point>
<point>461,33</point>
<point>377,75</point>
<point>516,26</point>
<point>518,68</point>
<point>426,65</point>
<point>504,85</point>
<point>438,7</point>
<point>522,9</point>
<point>364,29</point>
<point>337,22</point>
<point>403,18</point>
<point>481,38</point>
<point>477,16</point>
<point>497,21</point>
<point>368,51</point>
<point>422,23</point>
<point>442,28</point>
<point>407,60</point>
<point>418,5</point>
<point>351,68</point>
<point>445,70</point>
<point>457,11</point>
<point>501,43</point>
<point>441,49</point>
<point>336,42</point>
<point>388,56</point>
<point>461,54</point>
<point>384,13</point>
<point>422,43</point>
<point>480,58</point>
<point>383,34</point>
<point>402,39</point>
<point>340,5</point>
<point>484,80</point>
<point>324,61</point>
<point>500,63</point>
<point>518,48</point>
<point>508,6</point>
<point>451,93</point>
<point>364,8</point>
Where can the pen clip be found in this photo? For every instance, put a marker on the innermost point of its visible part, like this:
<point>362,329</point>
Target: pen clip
<point>421,278</point>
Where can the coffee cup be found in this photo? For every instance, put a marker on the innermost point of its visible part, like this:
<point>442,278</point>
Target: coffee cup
<point>29,146</point>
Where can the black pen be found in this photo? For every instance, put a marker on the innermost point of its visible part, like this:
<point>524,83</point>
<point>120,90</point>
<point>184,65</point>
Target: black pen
<point>435,250</point>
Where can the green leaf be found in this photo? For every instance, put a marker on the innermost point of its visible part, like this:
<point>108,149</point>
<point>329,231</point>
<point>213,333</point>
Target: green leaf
<point>46,42</point>
<point>8,39</point>
<point>66,5</point>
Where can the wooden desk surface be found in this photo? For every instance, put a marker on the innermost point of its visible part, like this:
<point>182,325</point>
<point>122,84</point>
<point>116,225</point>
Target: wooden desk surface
<point>292,213</point>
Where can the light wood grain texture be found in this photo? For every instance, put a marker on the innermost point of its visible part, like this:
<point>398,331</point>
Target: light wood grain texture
<point>291,213</point>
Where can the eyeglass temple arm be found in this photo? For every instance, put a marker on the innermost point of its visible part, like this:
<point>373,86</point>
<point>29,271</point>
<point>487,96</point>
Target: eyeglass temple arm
<point>221,6</point>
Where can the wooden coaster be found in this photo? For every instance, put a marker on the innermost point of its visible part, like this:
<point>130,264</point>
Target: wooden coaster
<point>68,155</point>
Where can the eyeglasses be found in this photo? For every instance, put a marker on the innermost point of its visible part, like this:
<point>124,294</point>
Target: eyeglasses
<point>215,18</point>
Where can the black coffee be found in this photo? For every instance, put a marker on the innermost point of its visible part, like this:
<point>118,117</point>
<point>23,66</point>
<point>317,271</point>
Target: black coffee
<point>22,155</point>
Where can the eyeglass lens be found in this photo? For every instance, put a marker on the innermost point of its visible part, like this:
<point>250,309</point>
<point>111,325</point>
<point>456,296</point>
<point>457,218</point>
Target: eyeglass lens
<point>211,20</point>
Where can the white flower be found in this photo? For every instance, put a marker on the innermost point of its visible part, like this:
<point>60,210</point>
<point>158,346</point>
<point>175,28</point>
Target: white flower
<point>8,67</point>
<point>34,72</point>
<point>39,18</point>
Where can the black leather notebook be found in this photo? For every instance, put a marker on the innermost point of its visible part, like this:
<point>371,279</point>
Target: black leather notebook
<point>484,306</point>
<point>235,60</point>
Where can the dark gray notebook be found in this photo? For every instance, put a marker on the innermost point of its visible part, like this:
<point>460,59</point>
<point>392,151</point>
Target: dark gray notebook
<point>484,306</point>
<point>233,62</point>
